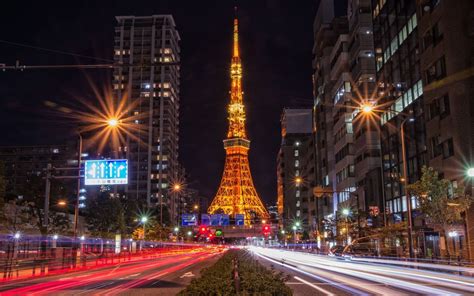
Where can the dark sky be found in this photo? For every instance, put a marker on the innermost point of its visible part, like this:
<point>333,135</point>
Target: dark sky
<point>276,42</point>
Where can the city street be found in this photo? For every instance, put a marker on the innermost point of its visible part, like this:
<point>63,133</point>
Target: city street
<point>166,275</point>
<point>322,275</point>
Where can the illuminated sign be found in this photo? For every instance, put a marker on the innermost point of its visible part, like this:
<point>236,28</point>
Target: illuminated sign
<point>189,220</point>
<point>106,172</point>
<point>239,219</point>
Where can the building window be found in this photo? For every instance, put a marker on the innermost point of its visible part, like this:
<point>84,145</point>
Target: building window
<point>297,163</point>
<point>436,71</point>
<point>297,173</point>
<point>298,213</point>
<point>297,203</point>
<point>297,153</point>
<point>297,193</point>
<point>448,149</point>
<point>436,148</point>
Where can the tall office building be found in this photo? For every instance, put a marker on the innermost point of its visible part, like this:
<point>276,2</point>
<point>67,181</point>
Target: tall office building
<point>148,48</point>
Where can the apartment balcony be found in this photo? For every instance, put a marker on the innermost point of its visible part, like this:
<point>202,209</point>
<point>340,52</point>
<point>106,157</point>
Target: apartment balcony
<point>340,65</point>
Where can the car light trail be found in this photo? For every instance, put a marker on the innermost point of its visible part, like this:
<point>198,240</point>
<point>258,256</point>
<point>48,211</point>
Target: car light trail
<point>403,278</point>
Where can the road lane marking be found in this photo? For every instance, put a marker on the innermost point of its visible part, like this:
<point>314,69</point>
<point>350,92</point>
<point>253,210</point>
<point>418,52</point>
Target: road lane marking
<point>313,286</point>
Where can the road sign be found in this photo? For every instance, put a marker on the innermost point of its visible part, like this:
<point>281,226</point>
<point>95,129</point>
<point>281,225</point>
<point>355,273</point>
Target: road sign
<point>205,219</point>
<point>189,220</point>
<point>239,219</point>
<point>106,172</point>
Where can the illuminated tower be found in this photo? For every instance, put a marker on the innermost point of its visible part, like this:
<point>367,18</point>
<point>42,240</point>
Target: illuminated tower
<point>236,193</point>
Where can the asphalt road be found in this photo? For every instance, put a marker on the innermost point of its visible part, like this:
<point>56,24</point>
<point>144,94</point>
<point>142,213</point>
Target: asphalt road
<point>311,274</point>
<point>166,275</point>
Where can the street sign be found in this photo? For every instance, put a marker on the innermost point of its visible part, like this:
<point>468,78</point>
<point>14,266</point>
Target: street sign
<point>189,220</point>
<point>206,219</point>
<point>106,172</point>
<point>239,219</point>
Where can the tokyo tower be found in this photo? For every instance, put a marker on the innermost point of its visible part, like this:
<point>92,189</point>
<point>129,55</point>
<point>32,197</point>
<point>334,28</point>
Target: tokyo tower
<point>236,193</point>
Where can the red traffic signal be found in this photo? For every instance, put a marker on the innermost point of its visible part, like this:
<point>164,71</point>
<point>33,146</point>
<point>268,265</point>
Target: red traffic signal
<point>266,229</point>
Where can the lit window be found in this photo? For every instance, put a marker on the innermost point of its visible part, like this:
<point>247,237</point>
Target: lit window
<point>296,152</point>
<point>297,193</point>
<point>297,213</point>
<point>298,204</point>
<point>297,173</point>
<point>297,163</point>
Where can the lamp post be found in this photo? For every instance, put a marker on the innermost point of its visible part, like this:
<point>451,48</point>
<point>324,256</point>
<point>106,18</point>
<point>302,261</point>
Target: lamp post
<point>76,207</point>
<point>346,213</point>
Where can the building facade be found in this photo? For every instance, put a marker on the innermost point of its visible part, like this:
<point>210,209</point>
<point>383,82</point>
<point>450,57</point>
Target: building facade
<point>21,162</point>
<point>295,202</point>
<point>446,34</point>
<point>148,48</point>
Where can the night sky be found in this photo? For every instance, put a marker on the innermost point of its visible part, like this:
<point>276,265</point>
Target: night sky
<point>276,41</point>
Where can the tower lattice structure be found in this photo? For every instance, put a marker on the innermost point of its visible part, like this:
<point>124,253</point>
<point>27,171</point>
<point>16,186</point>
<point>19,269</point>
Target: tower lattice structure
<point>236,193</point>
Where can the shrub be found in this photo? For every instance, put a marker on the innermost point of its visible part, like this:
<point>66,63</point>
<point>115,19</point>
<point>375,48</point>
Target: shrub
<point>255,279</point>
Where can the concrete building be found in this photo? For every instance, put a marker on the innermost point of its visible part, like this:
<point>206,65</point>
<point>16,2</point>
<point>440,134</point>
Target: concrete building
<point>21,162</point>
<point>446,63</point>
<point>293,189</point>
<point>148,48</point>
<point>329,50</point>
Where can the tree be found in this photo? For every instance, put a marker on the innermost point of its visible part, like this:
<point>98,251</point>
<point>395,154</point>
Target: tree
<point>105,216</point>
<point>29,210</point>
<point>442,205</point>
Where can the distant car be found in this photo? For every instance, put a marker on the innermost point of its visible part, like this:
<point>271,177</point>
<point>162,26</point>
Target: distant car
<point>336,251</point>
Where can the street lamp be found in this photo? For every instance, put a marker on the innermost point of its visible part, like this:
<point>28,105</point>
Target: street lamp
<point>345,212</point>
<point>143,220</point>
<point>112,122</point>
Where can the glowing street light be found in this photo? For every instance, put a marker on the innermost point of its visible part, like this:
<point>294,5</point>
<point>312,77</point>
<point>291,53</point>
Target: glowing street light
<point>367,108</point>
<point>189,233</point>
<point>177,187</point>
<point>144,219</point>
<point>55,237</point>
<point>83,238</point>
<point>196,207</point>
<point>298,180</point>
<point>62,203</point>
<point>297,224</point>
<point>17,235</point>
<point>176,229</point>
<point>112,122</point>
<point>346,212</point>
<point>470,172</point>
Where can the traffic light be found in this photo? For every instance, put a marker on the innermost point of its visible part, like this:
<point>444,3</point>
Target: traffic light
<point>203,230</point>
<point>266,230</point>
<point>219,232</point>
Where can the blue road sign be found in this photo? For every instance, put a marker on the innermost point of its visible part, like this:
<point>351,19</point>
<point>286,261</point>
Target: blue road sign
<point>189,220</point>
<point>205,219</point>
<point>106,172</point>
<point>239,219</point>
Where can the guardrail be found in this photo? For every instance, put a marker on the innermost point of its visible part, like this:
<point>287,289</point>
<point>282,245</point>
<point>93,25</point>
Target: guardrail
<point>36,256</point>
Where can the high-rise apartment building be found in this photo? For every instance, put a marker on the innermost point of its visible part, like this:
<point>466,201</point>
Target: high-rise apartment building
<point>327,29</point>
<point>148,49</point>
<point>294,192</point>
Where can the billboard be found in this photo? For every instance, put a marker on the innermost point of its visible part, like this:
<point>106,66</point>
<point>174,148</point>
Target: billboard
<point>106,172</point>
<point>189,220</point>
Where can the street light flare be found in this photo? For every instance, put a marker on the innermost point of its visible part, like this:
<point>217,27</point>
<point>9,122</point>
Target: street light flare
<point>113,122</point>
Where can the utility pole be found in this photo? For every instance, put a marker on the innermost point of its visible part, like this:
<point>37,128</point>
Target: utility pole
<point>47,195</point>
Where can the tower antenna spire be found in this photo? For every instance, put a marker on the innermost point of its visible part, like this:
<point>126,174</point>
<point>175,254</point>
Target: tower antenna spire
<point>236,34</point>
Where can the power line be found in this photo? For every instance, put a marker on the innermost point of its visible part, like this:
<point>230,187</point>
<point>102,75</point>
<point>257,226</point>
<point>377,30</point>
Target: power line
<point>54,50</point>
